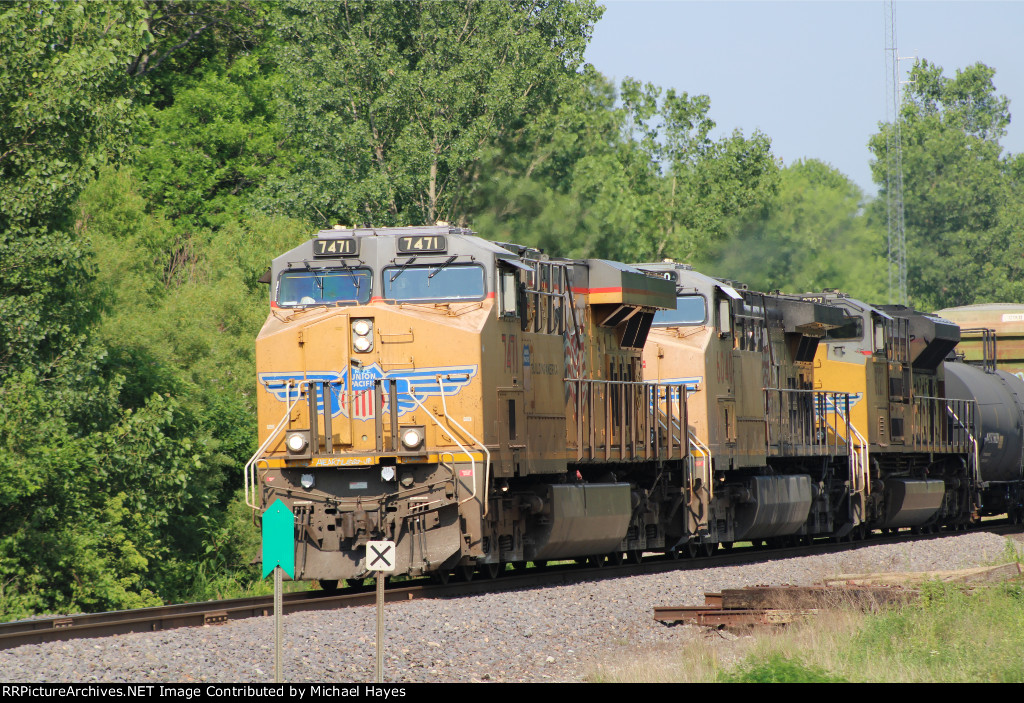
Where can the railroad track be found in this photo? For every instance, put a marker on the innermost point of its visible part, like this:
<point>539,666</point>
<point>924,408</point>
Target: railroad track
<point>50,629</point>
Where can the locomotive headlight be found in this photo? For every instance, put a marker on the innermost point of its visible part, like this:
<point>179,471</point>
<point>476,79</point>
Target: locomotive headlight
<point>387,473</point>
<point>412,437</point>
<point>307,480</point>
<point>362,335</point>
<point>296,442</point>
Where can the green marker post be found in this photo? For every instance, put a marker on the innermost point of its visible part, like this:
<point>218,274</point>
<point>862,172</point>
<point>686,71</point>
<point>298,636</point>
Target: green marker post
<point>279,557</point>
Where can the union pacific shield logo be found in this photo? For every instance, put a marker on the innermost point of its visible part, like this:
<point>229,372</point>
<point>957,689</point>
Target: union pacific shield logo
<point>411,386</point>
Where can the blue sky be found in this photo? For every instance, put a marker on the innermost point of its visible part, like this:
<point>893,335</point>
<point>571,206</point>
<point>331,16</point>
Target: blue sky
<point>810,75</point>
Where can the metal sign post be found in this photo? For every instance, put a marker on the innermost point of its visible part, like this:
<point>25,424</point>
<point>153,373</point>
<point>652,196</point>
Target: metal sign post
<point>278,624</point>
<point>279,557</point>
<point>380,557</point>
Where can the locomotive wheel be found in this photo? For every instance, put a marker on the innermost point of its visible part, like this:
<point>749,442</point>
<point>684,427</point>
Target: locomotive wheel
<point>726,546</point>
<point>674,554</point>
<point>634,556</point>
<point>596,561</point>
<point>329,585</point>
<point>442,577</point>
<point>692,550</point>
<point>542,564</point>
<point>710,548</point>
<point>615,559</point>
<point>519,565</point>
<point>491,571</point>
<point>464,572</point>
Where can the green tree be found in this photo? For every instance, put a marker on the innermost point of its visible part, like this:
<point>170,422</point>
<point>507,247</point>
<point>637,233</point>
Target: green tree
<point>626,174</point>
<point>114,466</point>
<point>66,108</point>
<point>812,235</point>
<point>956,186</point>
<point>392,105</point>
<point>188,37</point>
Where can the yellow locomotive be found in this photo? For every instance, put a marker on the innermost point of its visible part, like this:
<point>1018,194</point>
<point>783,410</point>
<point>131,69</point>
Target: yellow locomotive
<point>943,438</point>
<point>477,404</point>
<point>766,438</point>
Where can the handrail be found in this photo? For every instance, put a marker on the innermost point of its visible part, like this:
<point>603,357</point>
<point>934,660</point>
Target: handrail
<point>969,405</point>
<point>693,440</point>
<point>988,346</point>
<point>825,403</point>
<point>487,452</point>
<point>671,423</point>
<point>634,426</point>
<point>472,461</point>
<point>705,453</point>
<point>858,449</point>
<point>255,459</point>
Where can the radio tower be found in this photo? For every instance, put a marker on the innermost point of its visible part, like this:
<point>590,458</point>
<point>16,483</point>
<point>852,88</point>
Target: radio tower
<point>894,167</point>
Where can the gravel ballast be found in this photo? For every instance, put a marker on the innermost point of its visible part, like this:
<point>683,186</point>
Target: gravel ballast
<point>542,635</point>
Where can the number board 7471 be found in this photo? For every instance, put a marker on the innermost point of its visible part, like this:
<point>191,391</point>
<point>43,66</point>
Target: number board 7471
<point>347,246</point>
<point>422,243</point>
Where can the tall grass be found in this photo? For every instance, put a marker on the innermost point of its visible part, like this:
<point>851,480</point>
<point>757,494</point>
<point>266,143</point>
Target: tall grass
<point>951,634</point>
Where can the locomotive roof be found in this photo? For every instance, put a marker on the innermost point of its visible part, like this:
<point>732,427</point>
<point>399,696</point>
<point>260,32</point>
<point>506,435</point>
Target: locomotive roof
<point>424,230</point>
<point>689,280</point>
<point>843,300</point>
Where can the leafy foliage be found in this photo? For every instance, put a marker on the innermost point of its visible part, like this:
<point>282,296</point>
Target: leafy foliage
<point>626,174</point>
<point>812,235</point>
<point>393,104</point>
<point>66,107</point>
<point>960,192</point>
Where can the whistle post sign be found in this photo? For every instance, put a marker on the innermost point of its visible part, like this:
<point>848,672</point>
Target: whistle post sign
<point>278,539</point>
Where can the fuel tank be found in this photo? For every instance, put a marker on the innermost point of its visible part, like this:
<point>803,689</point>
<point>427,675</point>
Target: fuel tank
<point>1000,434</point>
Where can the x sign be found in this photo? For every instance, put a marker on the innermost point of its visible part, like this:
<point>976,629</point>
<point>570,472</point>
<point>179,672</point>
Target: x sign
<point>380,556</point>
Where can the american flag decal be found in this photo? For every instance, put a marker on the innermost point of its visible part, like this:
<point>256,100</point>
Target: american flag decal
<point>362,405</point>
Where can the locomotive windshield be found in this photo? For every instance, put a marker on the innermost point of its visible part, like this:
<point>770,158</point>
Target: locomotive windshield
<point>438,282</point>
<point>690,310</point>
<point>324,286</point>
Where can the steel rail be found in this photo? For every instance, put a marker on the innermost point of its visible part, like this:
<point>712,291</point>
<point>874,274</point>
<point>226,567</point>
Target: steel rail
<point>52,629</point>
